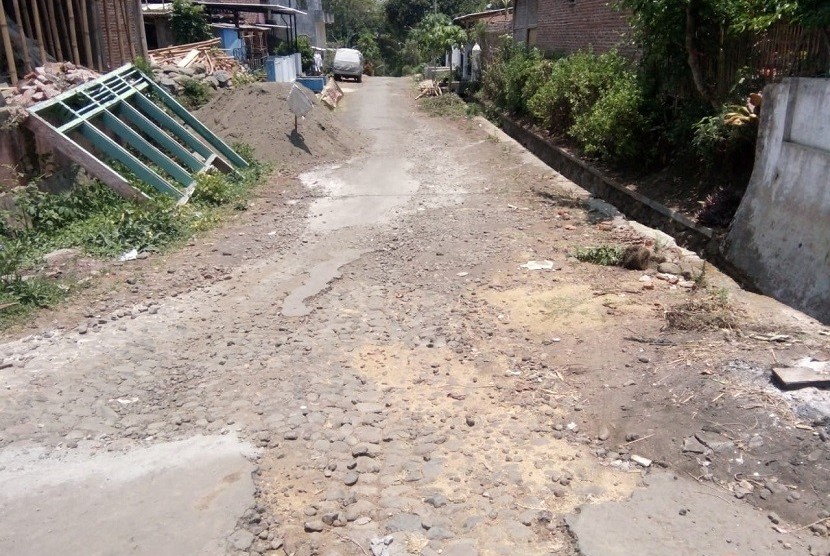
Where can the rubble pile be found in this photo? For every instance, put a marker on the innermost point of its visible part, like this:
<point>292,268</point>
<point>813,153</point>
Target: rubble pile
<point>48,81</point>
<point>203,61</point>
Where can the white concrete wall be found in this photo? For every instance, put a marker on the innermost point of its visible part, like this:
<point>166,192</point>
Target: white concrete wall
<point>780,237</point>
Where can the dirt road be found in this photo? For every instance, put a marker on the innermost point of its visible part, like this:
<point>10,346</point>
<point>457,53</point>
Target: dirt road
<point>359,365</point>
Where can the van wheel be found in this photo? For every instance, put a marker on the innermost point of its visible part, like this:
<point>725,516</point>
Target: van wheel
<point>336,77</point>
<point>360,79</point>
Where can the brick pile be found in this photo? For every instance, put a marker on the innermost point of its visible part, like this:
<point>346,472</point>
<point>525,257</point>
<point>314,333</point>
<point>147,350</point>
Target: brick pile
<point>48,81</point>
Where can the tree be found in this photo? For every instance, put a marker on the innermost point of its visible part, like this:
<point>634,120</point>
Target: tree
<point>189,22</point>
<point>436,34</point>
<point>677,34</point>
<point>404,15</point>
<point>352,18</point>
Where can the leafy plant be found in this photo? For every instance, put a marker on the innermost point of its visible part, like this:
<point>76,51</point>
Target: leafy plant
<point>606,255</point>
<point>436,34</point>
<point>189,22</point>
<point>195,93</point>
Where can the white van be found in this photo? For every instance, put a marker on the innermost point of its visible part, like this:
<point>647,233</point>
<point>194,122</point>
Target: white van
<point>348,62</point>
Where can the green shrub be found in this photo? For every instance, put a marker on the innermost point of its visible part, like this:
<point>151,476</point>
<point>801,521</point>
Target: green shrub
<point>212,189</point>
<point>613,127</point>
<point>195,93</point>
<point>507,75</point>
<point>606,255</point>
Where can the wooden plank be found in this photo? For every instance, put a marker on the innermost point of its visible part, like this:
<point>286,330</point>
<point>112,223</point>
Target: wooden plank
<point>53,26</point>
<point>790,378</point>
<point>184,62</point>
<point>84,158</point>
<point>7,45</point>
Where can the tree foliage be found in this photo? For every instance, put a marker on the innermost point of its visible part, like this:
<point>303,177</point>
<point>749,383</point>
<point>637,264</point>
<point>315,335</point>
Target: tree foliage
<point>403,15</point>
<point>436,34</point>
<point>352,18</point>
<point>189,22</point>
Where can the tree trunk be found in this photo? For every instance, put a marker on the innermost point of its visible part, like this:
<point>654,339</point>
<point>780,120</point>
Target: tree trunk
<point>694,55</point>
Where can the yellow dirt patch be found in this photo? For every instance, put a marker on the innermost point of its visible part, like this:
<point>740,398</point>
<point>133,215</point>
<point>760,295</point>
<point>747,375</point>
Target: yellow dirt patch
<point>565,307</point>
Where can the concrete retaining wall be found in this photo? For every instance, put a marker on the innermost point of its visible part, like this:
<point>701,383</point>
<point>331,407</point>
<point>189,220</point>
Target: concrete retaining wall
<point>780,237</point>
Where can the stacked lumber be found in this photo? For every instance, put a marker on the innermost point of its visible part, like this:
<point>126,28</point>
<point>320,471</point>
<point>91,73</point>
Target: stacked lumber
<point>48,81</point>
<point>428,88</point>
<point>206,54</point>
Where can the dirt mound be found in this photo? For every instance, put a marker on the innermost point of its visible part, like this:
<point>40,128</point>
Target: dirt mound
<point>258,115</point>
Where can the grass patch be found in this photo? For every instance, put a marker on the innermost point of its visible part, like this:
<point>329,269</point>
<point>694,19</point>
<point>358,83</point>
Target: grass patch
<point>448,105</point>
<point>93,218</point>
<point>709,311</point>
<point>605,255</point>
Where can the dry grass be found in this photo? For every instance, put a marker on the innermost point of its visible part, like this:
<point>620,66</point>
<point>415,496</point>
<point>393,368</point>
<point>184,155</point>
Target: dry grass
<point>709,311</point>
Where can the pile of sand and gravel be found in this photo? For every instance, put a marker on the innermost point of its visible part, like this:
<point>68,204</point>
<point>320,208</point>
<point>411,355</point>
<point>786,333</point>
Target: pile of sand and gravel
<point>258,115</point>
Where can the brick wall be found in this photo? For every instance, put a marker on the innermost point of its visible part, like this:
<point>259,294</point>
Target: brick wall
<point>119,27</point>
<point>566,26</point>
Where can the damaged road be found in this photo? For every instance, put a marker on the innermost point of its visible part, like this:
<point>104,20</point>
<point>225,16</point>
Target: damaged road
<point>361,364</point>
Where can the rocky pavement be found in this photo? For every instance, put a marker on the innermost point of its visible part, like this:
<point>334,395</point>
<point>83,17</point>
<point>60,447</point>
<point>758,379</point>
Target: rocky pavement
<point>386,381</point>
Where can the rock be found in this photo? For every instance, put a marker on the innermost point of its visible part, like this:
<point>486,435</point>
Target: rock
<point>351,478</point>
<point>242,539</point>
<point>169,84</point>
<point>60,257</point>
<point>636,257</point>
<point>470,421</point>
<point>315,526</point>
<point>290,435</point>
<point>436,501</point>
<point>692,445</point>
<point>360,450</point>
<point>774,518</point>
<point>222,77</point>
<point>439,534</point>
<point>404,522</point>
<point>715,442</point>
<point>603,434</point>
<point>669,268</point>
<point>212,81</point>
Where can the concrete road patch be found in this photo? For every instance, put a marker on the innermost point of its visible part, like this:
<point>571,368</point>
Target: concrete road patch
<point>173,498</point>
<point>680,517</point>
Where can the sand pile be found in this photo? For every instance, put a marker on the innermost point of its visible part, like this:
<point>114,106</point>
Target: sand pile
<point>258,115</point>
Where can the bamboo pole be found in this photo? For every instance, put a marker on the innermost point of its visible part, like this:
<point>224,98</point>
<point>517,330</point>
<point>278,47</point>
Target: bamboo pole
<point>7,45</point>
<point>115,5</point>
<point>27,62</point>
<point>125,19</point>
<point>63,32</point>
<point>85,30</point>
<point>39,32</point>
<point>73,36</point>
<point>27,23</point>
<point>53,26</point>
<point>107,48</point>
<point>48,43</point>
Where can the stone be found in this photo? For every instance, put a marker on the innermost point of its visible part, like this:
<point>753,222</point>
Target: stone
<point>60,257</point>
<point>404,522</point>
<point>351,479</point>
<point>222,77</point>
<point>315,526</point>
<point>603,434</point>
<point>692,445</point>
<point>241,539</point>
<point>439,534</point>
<point>169,84</point>
<point>669,268</point>
<point>715,442</point>
<point>470,421</point>
<point>436,501</point>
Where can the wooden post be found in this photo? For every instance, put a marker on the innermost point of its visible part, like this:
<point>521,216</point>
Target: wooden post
<point>27,62</point>
<point>63,32</point>
<point>53,26</point>
<point>73,36</point>
<point>106,64</point>
<point>142,33</point>
<point>7,45</point>
<point>116,4</point>
<point>41,41</point>
<point>125,18</point>
<point>85,30</point>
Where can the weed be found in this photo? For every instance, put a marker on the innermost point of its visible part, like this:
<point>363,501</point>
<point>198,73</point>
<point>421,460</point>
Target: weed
<point>448,105</point>
<point>606,255</point>
<point>144,66</point>
<point>708,311</point>
<point>194,93</point>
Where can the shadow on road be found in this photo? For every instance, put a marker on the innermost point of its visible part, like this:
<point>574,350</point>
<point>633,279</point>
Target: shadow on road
<point>298,140</point>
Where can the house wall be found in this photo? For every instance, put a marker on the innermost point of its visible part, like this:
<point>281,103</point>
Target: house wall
<point>567,26</point>
<point>780,237</point>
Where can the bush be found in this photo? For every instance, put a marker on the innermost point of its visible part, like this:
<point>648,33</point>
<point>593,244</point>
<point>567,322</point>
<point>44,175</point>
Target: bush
<point>606,255</point>
<point>507,75</point>
<point>195,93</point>
<point>612,128</point>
